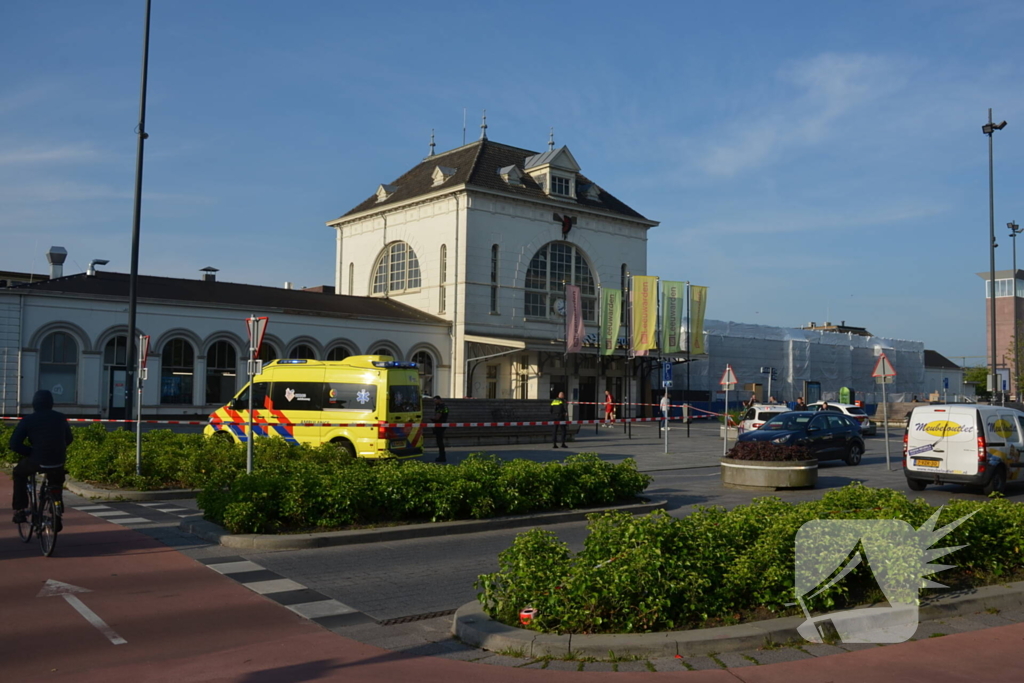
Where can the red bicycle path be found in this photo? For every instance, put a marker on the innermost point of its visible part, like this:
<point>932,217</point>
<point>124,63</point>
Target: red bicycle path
<point>185,622</point>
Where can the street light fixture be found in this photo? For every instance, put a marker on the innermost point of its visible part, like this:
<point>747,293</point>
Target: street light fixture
<point>1014,231</point>
<point>988,129</point>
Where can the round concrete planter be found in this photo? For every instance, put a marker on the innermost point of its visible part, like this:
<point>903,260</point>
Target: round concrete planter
<point>753,474</point>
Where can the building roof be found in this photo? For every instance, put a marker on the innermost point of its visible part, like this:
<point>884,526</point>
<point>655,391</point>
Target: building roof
<point>479,164</point>
<point>255,297</point>
<point>934,359</point>
<point>1002,274</point>
<point>842,328</point>
<point>10,277</point>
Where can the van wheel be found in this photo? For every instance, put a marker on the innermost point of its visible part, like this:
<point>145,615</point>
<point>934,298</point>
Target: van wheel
<point>856,453</point>
<point>345,446</point>
<point>916,484</point>
<point>997,483</point>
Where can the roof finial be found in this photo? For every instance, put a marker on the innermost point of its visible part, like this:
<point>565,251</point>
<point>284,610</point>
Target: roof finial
<point>431,143</point>
<point>551,139</point>
<point>483,127</point>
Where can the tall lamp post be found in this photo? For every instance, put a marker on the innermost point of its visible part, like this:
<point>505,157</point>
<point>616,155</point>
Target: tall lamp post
<point>988,129</point>
<point>1014,231</point>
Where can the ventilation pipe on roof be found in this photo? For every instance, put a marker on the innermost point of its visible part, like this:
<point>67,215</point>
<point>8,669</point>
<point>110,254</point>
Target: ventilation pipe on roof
<point>209,274</point>
<point>90,270</point>
<point>289,285</point>
<point>55,257</point>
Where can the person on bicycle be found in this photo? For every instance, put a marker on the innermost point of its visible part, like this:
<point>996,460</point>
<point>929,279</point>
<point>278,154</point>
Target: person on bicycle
<point>49,435</point>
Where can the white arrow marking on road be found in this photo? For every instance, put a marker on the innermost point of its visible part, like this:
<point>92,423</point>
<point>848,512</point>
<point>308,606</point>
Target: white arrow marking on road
<point>67,591</point>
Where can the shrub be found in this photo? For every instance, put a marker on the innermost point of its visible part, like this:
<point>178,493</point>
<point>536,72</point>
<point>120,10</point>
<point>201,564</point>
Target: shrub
<point>657,573</point>
<point>766,451</point>
<point>313,494</point>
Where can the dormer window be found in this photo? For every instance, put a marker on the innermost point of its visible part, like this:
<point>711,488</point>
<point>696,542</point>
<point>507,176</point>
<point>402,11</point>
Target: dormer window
<point>561,186</point>
<point>441,174</point>
<point>385,192</point>
<point>511,175</point>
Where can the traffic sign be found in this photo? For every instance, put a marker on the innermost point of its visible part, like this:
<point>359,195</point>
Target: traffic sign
<point>728,377</point>
<point>256,327</point>
<point>666,373</point>
<point>883,368</point>
<point>945,383</point>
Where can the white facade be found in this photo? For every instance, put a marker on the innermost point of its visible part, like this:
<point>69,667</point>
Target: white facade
<point>487,238</point>
<point>82,383</point>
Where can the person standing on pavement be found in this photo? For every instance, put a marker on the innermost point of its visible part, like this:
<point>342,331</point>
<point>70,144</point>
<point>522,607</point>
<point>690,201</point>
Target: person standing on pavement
<point>560,412</point>
<point>609,409</point>
<point>440,418</point>
<point>49,435</point>
<point>800,404</point>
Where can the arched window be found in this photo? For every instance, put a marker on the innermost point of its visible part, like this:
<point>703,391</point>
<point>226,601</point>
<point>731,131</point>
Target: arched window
<point>303,351</point>
<point>115,353</point>
<point>176,373</point>
<point>58,367</point>
<point>443,299</point>
<point>397,269</point>
<point>267,352</point>
<point>221,368</point>
<point>555,265</point>
<point>425,364</point>
<point>338,353</point>
<point>384,351</point>
<point>351,279</point>
<point>494,278</point>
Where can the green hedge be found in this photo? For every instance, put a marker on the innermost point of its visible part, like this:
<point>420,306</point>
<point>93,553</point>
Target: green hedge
<point>307,495</point>
<point>657,573</point>
<point>169,460</point>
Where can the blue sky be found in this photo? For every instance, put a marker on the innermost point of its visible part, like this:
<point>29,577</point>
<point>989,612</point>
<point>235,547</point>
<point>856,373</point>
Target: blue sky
<point>806,161</point>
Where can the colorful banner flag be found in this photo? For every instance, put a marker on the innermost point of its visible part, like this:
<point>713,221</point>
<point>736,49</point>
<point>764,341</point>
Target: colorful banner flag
<point>611,320</point>
<point>673,298</point>
<point>644,307</point>
<point>574,330</point>
<point>698,302</point>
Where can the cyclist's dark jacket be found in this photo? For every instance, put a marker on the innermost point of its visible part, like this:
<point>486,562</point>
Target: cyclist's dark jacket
<point>46,429</point>
<point>559,409</point>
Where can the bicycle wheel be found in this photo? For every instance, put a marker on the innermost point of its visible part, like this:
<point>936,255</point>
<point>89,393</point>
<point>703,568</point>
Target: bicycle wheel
<point>25,528</point>
<point>47,526</point>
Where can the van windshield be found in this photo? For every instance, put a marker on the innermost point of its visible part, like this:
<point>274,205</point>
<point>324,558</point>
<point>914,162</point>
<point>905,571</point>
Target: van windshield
<point>404,398</point>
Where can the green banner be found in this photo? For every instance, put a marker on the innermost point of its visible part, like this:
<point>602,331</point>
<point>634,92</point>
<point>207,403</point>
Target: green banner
<point>698,302</point>
<point>611,320</point>
<point>643,296</point>
<point>673,297</point>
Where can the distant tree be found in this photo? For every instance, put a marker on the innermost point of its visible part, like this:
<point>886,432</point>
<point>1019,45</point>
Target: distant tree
<point>978,375</point>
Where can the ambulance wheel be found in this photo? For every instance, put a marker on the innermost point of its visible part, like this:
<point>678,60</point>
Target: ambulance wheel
<point>997,483</point>
<point>916,484</point>
<point>345,446</point>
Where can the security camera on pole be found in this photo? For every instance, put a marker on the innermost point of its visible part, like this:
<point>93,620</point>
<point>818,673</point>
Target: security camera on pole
<point>256,327</point>
<point>883,374</point>
<point>729,382</point>
<point>141,377</point>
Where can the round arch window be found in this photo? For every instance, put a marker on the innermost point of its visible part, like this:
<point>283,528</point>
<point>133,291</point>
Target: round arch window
<point>177,370</point>
<point>221,371</point>
<point>397,270</point>
<point>338,353</point>
<point>554,266</point>
<point>58,366</point>
<point>425,364</point>
<point>303,351</point>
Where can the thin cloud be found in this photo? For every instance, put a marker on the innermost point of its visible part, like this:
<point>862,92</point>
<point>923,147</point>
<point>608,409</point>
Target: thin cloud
<point>827,87</point>
<point>49,155</point>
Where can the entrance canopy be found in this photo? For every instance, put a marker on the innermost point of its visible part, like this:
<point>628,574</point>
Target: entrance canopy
<point>481,348</point>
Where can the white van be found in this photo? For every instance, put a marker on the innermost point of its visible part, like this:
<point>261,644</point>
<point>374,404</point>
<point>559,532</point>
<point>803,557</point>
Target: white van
<point>963,444</point>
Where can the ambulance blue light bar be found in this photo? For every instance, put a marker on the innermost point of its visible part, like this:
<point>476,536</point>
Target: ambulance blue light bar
<point>292,361</point>
<point>393,364</point>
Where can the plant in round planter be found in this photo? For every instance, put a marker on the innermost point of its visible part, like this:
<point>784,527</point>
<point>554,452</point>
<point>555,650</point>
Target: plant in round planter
<point>767,465</point>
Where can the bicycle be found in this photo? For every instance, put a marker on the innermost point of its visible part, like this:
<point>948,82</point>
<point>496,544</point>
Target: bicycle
<point>43,515</point>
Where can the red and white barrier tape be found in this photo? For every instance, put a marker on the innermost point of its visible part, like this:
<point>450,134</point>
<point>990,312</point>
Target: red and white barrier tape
<point>263,422</point>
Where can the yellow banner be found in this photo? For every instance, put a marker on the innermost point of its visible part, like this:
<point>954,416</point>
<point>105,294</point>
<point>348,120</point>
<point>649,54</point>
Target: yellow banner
<point>695,331</point>
<point>644,298</point>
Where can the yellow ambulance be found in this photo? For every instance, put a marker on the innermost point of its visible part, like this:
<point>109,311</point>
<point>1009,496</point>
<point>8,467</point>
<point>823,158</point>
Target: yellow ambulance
<point>317,402</point>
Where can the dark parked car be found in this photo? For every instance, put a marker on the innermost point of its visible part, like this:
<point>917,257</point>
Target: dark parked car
<point>827,435</point>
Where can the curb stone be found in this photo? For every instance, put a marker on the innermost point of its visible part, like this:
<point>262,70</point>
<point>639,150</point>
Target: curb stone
<point>473,626</point>
<point>209,531</point>
<point>95,493</point>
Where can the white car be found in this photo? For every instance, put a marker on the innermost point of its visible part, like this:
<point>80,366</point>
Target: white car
<point>867,427</point>
<point>758,414</point>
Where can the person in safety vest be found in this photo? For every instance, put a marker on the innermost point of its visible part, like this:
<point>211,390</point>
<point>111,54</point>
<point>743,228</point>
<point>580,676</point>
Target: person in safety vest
<point>560,411</point>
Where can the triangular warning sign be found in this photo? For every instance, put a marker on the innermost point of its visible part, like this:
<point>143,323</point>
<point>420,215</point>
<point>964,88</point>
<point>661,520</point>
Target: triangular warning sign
<point>728,377</point>
<point>883,368</point>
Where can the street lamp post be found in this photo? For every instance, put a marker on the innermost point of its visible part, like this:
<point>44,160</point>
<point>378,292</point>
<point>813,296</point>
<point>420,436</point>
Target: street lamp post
<point>1014,231</point>
<point>988,129</point>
